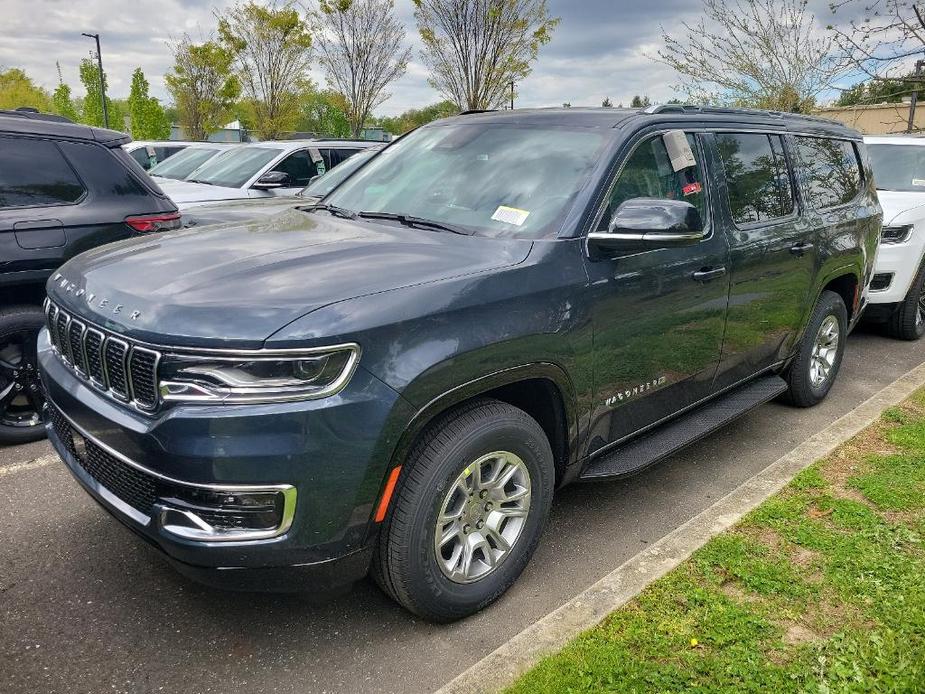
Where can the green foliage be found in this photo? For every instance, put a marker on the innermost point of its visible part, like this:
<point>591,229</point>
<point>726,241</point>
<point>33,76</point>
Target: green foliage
<point>640,102</point>
<point>17,89</point>
<point>818,590</point>
<point>202,85</point>
<point>416,117</point>
<point>475,50</point>
<point>878,91</point>
<point>325,113</point>
<point>92,110</point>
<point>148,120</point>
<point>607,103</point>
<point>61,101</point>
<point>271,47</point>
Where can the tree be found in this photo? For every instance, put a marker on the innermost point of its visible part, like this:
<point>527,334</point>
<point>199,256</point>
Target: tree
<point>475,49</point>
<point>149,122</point>
<point>61,101</point>
<point>92,110</point>
<point>272,49</point>
<point>878,91</point>
<point>325,113</point>
<point>640,102</point>
<point>607,103</point>
<point>17,89</point>
<point>360,49</point>
<point>202,86</point>
<point>415,118</point>
<point>757,53</point>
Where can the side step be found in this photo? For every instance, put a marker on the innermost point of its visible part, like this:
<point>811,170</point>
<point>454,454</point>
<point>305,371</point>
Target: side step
<point>664,440</point>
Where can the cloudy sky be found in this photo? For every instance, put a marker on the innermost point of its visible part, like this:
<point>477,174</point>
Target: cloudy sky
<point>600,49</point>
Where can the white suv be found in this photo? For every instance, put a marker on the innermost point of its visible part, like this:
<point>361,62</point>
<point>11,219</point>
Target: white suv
<point>897,295</point>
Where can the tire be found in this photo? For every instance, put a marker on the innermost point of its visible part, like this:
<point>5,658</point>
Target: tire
<point>807,386</point>
<point>908,319</point>
<point>433,481</point>
<point>21,397</point>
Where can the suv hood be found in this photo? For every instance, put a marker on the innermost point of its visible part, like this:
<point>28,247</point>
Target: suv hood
<point>239,211</point>
<point>895,203</point>
<point>185,192</point>
<point>234,286</point>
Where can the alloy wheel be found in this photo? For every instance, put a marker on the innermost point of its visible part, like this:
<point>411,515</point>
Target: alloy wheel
<point>21,397</point>
<point>825,350</point>
<point>482,517</point>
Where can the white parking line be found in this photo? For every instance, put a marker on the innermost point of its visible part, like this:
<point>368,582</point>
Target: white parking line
<point>31,465</point>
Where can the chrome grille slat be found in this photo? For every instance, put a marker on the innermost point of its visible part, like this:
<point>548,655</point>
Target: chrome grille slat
<point>125,371</point>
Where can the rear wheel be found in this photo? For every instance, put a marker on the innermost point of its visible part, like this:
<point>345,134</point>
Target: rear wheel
<point>21,397</point>
<point>818,360</point>
<point>908,320</point>
<point>473,501</point>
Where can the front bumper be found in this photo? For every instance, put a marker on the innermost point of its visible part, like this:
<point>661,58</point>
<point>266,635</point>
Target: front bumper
<point>899,261</point>
<point>326,452</point>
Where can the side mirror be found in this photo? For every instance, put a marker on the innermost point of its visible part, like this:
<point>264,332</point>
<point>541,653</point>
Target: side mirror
<point>273,179</point>
<point>651,222</point>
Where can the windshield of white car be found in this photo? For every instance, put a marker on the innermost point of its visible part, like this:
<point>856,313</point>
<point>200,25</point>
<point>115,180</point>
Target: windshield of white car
<point>324,184</point>
<point>898,167</point>
<point>236,167</point>
<point>182,164</point>
<point>491,179</point>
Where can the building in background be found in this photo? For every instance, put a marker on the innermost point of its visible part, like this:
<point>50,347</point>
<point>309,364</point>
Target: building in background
<point>877,119</point>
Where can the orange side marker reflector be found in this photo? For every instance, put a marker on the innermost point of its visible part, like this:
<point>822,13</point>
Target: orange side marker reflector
<point>387,495</point>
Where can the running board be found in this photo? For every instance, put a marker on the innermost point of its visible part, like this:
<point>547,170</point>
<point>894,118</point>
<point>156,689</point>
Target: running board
<point>642,451</point>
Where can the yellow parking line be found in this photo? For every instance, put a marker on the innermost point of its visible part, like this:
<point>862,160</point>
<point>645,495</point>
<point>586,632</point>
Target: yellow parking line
<point>32,465</point>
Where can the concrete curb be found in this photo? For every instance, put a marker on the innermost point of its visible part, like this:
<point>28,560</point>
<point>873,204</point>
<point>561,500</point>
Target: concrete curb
<point>556,629</point>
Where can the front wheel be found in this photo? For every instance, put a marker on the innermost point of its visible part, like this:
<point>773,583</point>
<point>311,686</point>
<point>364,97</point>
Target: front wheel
<point>908,320</point>
<point>21,398</point>
<point>473,501</point>
<point>813,370</point>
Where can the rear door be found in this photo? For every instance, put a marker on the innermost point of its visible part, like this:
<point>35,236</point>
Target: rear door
<point>772,252</point>
<point>658,313</point>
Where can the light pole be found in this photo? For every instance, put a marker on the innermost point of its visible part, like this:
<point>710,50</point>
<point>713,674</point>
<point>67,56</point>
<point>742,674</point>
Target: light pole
<point>99,61</point>
<point>512,95</point>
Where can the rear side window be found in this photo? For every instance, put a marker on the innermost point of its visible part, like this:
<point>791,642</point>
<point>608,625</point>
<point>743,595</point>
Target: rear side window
<point>757,177</point>
<point>105,175</point>
<point>831,171</point>
<point>299,167</point>
<point>33,172</point>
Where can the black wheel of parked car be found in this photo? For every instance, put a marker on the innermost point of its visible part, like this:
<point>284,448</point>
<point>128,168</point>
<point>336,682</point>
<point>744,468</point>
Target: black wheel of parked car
<point>21,397</point>
<point>908,320</point>
<point>473,500</point>
<point>813,370</point>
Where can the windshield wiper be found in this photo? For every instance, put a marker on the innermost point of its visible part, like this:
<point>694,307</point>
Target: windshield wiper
<point>333,209</point>
<point>199,180</point>
<point>411,221</point>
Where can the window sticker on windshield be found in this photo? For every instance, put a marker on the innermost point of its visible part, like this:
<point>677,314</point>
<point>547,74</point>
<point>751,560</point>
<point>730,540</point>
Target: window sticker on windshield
<point>510,215</point>
<point>918,181</point>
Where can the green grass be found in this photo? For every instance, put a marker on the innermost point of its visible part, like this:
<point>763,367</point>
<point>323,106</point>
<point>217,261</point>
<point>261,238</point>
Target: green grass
<point>819,589</point>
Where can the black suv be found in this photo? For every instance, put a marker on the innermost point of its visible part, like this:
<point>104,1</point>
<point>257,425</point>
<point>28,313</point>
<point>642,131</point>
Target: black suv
<point>64,188</point>
<point>499,304</point>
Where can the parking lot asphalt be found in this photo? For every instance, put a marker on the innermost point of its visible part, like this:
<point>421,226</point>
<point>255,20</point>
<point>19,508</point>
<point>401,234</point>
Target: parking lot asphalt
<point>84,607</point>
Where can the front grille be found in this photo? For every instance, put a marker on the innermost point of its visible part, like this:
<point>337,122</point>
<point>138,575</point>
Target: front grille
<point>124,370</point>
<point>131,485</point>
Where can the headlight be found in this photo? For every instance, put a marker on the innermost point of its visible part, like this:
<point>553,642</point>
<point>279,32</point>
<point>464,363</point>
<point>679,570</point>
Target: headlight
<point>279,376</point>
<point>895,234</point>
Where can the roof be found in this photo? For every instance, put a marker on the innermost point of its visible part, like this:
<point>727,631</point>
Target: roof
<point>619,117</point>
<point>50,125</point>
<point>135,144</point>
<point>292,145</point>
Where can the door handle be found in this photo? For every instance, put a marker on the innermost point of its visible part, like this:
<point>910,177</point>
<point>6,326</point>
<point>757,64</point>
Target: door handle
<point>708,274</point>
<point>801,248</point>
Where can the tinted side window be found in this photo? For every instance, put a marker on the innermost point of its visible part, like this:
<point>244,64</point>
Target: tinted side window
<point>648,174</point>
<point>102,171</point>
<point>33,172</point>
<point>830,171</point>
<point>757,177</point>
<point>339,155</point>
<point>299,167</point>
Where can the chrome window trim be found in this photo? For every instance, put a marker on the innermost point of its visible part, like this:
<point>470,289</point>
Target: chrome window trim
<point>288,491</point>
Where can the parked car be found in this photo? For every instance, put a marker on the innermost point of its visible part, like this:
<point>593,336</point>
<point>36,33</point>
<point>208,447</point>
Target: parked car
<point>151,153</point>
<point>261,169</point>
<point>897,291</point>
<point>179,166</point>
<point>236,211</point>
<point>64,189</point>
<point>495,306</point>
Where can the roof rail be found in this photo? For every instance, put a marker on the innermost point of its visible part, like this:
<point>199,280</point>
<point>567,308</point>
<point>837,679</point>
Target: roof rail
<point>692,109</point>
<point>477,110</point>
<point>33,114</point>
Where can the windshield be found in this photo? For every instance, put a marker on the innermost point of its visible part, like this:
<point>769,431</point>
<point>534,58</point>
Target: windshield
<point>494,179</point>
<point>235,168</point>
<point>182,164</point>
<point>333,178</point>
<point>898,167</point>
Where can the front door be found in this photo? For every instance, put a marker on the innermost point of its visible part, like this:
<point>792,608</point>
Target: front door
<point>658,314</point>
<point>772,253</point>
